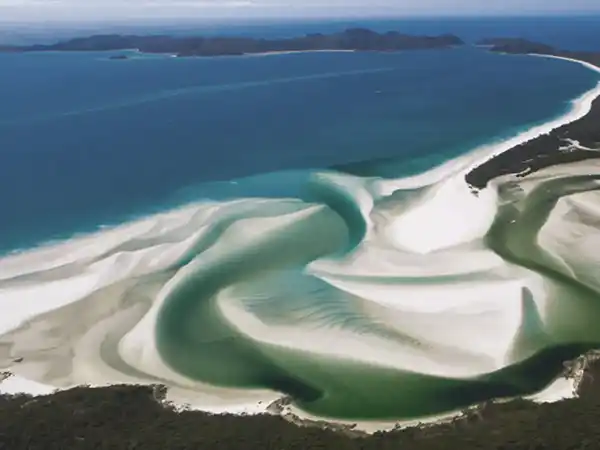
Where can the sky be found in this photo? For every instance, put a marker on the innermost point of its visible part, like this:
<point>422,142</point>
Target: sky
<point>91,10</point>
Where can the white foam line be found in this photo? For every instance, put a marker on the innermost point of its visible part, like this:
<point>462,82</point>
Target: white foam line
<point>581,106</point>
<point>292,52</point>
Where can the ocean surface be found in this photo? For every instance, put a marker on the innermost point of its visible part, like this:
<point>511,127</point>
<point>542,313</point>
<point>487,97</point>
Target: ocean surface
<point>248,210</point>
<point>86,141</point>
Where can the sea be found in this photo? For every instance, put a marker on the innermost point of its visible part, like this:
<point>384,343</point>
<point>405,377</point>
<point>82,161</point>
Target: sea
<point>87,142</point>
<point>254,146</point>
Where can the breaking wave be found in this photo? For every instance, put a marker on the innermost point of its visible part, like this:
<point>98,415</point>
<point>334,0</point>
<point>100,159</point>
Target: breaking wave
<point>362,298</point>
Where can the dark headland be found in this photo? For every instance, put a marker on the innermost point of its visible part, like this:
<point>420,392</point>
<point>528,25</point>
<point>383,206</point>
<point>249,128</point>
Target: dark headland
<point>358,39</point>
<point>572,142</point>
<point>134,418</point>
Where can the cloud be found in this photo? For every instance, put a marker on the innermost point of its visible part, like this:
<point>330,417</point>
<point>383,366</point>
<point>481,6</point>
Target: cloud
<point>88,9</point>
<point>123,9</point>
<point>123,4</point>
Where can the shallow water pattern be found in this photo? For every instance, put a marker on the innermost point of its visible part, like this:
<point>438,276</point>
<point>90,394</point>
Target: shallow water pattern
<point>421,298</point>
<point>358,297</point>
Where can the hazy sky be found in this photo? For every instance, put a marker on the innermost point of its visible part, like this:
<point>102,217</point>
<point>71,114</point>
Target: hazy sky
<point>130,9</point>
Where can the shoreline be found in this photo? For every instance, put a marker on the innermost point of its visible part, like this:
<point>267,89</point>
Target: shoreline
<point>481,157</point>
<point>518,423</point>
<point>293,52</point>
<point>540,146</point>
<point>130,53</point>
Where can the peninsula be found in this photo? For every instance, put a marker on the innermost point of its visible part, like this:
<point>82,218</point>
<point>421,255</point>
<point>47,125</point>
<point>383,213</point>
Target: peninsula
<point>572,142</point>
<point>356,39</point>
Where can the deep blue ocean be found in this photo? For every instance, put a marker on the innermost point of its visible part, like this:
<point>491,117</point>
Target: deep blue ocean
<point>86,141</point>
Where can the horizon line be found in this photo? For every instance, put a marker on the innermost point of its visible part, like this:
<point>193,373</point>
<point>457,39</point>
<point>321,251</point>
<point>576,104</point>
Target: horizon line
<point>595,14</point>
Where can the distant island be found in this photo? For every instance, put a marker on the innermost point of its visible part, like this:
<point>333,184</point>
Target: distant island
<point>357,39</point>
<point>575,141</point>
<point>527,47</point>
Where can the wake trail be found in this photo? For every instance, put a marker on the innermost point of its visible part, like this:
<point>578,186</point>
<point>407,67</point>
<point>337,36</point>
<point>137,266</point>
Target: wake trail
<point>193,90</point>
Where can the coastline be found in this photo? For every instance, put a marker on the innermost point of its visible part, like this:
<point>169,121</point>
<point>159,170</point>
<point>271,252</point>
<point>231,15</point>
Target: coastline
<point>99,412</point>
<point>543,145</point>
<point>581,108</point>
<point>477,157</point>
<point>272,53</point>
<point>359,39</point>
